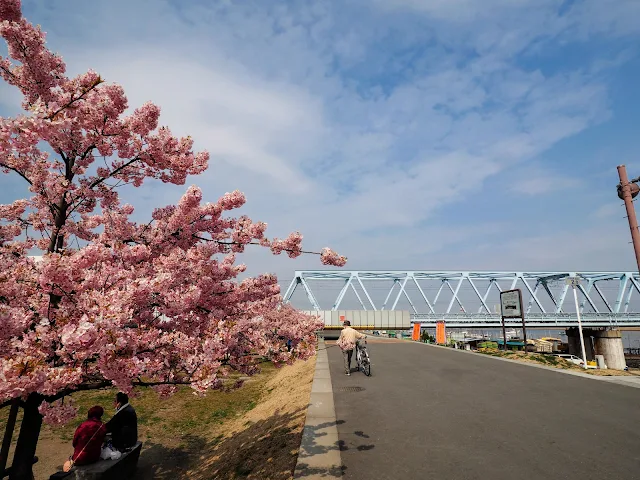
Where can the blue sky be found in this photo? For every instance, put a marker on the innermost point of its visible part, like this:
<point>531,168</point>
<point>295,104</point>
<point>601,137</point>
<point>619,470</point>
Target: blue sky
<point>421,134</point>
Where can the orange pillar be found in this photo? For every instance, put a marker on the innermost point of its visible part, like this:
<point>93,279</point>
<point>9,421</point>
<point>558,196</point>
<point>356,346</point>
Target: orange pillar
<point>441,336</point>
<point>416,332</point>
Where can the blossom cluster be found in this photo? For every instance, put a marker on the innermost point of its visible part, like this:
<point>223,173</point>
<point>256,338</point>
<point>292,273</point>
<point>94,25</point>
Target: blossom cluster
<point>345,344</point>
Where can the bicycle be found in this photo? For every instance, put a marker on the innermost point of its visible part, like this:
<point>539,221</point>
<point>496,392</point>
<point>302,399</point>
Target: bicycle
<point>362,358</point>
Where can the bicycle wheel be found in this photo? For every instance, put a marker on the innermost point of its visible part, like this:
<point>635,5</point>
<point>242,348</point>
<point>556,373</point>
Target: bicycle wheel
<point>366,369</point>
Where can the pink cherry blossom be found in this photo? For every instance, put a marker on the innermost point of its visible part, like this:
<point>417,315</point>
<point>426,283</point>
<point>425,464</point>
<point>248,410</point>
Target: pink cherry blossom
<point>329,257</point>
<point>113,301</point>
<point>345,344</point>
<point>57,413</point>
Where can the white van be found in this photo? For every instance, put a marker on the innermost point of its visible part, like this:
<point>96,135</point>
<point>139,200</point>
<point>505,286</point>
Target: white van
<point>573,359</point>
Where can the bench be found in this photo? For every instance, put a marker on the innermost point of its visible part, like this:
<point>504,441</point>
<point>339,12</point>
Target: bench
<point>120,469</point>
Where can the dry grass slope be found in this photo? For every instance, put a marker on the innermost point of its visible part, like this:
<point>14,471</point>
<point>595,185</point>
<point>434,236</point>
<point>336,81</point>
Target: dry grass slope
<point>551,361</point>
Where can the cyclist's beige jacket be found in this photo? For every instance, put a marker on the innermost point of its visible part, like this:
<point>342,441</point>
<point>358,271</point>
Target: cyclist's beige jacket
<point>350,335</point>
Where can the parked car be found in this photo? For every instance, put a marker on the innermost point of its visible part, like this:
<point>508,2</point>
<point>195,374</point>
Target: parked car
<point>573,359</point>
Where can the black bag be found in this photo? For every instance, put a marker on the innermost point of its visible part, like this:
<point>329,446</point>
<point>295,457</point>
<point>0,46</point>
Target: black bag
<point>59,475</point>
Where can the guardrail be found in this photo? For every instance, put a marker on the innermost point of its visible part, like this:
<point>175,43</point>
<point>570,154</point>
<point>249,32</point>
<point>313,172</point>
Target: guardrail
<point>553,320</point>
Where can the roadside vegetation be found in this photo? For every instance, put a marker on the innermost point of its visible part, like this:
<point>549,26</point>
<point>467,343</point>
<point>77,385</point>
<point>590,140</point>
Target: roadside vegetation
<point>549,361</point>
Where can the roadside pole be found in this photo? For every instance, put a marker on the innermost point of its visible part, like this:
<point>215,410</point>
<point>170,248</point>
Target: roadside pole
<point>574,282</point>
<point>627,191</point>
<point>504,335</point>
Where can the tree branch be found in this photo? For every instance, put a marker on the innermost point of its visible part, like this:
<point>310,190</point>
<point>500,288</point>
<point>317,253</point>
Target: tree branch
<point>79,388</point>
<point>73,100</point>
<point>4,165</point>
<point>9,402</point>
<point>220,242</point>
<point>119,169</point>
<point>140,383</point>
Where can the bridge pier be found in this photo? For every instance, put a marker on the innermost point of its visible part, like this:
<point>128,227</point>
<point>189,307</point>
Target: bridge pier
<point>573,339</point>
<point>605,342</point>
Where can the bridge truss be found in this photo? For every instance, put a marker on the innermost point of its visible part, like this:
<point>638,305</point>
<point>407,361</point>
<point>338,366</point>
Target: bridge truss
<point>471,299</point>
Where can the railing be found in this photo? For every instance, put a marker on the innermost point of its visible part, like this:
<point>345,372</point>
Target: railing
<point>533,320</point>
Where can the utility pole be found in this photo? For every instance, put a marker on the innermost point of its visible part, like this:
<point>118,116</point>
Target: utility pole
<point>627,191</point>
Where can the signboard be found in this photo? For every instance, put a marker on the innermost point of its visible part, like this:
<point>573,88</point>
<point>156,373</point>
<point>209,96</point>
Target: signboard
<point>511,307</point>
<point>572,281</point>
<point>511,304</point>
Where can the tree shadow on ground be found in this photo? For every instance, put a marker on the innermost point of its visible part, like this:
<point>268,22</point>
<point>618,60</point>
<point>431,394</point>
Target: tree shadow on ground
<point>266,449</point>
<point>317,441</point>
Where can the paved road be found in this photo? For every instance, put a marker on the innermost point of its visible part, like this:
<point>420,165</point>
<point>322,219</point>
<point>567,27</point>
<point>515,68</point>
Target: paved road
<point>431,413</point>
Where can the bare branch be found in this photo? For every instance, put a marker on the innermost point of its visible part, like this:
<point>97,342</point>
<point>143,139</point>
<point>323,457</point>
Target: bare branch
<point>78,388</point>
<point>119,169</point>
<point>9,402</point>
<point>220,242</point>
<point>4,165</point>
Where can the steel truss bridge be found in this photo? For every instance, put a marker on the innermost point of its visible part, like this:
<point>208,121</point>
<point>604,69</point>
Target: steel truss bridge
<point>465,299</point>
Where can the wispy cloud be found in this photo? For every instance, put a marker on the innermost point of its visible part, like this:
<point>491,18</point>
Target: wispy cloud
<point>533,181</point>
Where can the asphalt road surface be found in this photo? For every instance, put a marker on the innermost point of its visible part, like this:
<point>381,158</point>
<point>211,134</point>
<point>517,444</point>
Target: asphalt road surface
<point>432,413</point>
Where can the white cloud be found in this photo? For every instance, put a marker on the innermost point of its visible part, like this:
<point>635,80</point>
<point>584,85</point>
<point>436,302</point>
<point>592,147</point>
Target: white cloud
<point>535,181</point>
<point>241,120</point>
<point>462,10</point>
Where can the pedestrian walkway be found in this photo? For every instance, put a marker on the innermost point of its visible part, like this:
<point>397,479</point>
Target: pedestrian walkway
<point>319,455</point>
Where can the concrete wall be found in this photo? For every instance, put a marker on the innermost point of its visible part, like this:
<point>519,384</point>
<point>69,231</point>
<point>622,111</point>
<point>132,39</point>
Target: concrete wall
<point>366,319</point>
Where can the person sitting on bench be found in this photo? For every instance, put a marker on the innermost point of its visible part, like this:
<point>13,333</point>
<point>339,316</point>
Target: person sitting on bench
<point>87,441</point>
<point>123,426</point>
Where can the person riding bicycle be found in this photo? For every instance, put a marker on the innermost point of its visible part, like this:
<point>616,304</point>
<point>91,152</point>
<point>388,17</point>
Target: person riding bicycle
<point>349,339</point>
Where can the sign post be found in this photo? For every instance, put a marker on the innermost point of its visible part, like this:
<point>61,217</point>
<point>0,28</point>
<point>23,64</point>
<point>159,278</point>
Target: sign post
<point>511,307</point>
<point>575,282</point>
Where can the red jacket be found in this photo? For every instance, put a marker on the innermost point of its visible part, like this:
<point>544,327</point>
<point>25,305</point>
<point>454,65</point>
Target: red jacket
<point>92,446</point>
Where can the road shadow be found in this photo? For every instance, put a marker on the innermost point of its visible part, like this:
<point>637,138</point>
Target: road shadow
<point>316,442</point>
<point>266,449</point>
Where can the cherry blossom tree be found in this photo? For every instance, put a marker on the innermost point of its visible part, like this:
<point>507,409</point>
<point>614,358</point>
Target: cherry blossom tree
<point>114,302</point>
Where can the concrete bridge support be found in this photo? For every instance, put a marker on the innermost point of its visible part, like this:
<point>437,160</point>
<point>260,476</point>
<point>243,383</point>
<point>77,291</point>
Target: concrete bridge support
<point>573,339</point>
<point>607,343</point>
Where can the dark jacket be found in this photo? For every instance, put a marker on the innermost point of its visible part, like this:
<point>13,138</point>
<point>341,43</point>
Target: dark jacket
<point>124,428</point>
<point>84,438</point>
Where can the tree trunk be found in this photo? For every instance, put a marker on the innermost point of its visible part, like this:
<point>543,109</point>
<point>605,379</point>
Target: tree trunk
<point>8,434</point>
<point>21,468</point>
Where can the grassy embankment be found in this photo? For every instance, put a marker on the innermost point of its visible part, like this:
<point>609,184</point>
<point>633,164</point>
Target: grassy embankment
<point>250,433</point>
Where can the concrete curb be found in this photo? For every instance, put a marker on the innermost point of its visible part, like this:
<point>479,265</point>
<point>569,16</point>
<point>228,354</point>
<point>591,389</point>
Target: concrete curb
<point>633,382</point>
<point>319,455</point>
